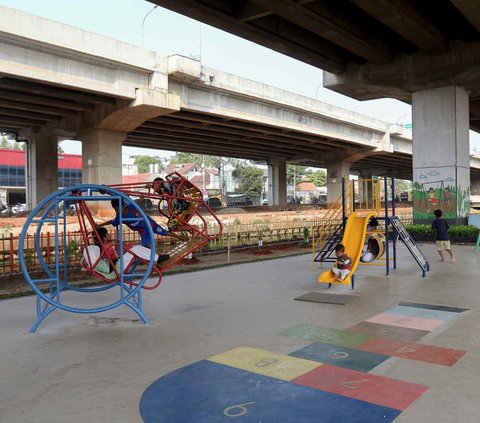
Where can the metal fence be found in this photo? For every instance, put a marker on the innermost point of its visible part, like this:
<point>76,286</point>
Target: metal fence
<point>235,235</point>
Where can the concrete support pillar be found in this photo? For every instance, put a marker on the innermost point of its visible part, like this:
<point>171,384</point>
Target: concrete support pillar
<point>42,168</point>
<point>102,156</point>
<point>277,182</point>
<point>441,162</point>
<point>335,173</point>
<point>475,185</point>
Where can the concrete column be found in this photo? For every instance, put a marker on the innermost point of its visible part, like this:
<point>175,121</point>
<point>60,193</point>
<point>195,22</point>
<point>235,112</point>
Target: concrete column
<point>335,173</point>
<point>277,182</point>
<point>441,162</point>
<point>102,156</point>
<point>42,168</point>
<point>475,185</point>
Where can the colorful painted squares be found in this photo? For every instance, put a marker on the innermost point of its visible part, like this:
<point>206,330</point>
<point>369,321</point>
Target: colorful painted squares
<point>207,392</point>
<point>406,321</point>
<point>387,331</point>
<point>265,362</point>
<point>364,386</point>
<point>341,356</point>
<point>413,351</point>
<point>331,336</point>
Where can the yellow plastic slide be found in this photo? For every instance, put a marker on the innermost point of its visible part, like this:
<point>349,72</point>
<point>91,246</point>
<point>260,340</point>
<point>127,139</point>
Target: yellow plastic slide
<point>353,240</point>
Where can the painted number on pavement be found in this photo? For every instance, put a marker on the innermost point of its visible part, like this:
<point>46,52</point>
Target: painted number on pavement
<point>237,410</point>
<point>264,362</point>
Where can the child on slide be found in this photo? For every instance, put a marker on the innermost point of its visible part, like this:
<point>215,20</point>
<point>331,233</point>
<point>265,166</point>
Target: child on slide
<point>343,265</point>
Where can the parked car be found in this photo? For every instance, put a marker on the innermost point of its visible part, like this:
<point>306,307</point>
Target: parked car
<point>214,202</point>
<point>239,200</point>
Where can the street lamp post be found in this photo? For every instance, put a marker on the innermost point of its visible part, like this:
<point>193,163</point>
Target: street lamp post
<point>294,185</point>
<point>145,17</point>
<point>203,175</point>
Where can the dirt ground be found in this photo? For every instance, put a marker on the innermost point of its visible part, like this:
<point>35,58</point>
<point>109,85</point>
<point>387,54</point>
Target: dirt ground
<point>14,225</point>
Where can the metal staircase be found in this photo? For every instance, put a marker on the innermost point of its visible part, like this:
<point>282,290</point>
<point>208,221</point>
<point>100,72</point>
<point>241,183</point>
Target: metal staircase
<point>330,233</point>
<point>326,251</point>
<point>409,242</point>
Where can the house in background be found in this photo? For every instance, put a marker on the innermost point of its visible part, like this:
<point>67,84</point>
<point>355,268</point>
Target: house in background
<point>187,170</point>
<point>309,193</point>
<point>139,178</point>
<point>208,182</point>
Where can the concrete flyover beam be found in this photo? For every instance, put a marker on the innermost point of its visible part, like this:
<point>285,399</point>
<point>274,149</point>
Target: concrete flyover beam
<point>148,104</point>
<point>49,85</point>
<point>368,48</point>
<point>231,96</point>
<point>30,49</point>
<point>458,66</point>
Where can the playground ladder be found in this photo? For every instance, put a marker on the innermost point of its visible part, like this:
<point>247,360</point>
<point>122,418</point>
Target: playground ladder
<point>182,250</point>
<point>410,244</point>
<point>334,237</point>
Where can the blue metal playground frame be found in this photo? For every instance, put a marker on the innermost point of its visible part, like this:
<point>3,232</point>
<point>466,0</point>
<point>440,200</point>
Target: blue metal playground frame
<point>53,210</point>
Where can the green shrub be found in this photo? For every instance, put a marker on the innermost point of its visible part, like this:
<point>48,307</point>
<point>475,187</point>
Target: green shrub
<point>464,231</point>
<point>306,233</point>
<point>460,232</point>
<point>421,230</point>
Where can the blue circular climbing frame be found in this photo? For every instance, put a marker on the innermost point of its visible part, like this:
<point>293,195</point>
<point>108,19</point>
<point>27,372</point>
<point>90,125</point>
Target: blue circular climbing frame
<point>53,284</point>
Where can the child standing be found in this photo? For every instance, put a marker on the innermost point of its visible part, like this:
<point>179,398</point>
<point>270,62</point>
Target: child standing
<point>442,239</point>
<point>343,265</point>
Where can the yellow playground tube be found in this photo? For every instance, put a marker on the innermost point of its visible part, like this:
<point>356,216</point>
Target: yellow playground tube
<point>353,240</point>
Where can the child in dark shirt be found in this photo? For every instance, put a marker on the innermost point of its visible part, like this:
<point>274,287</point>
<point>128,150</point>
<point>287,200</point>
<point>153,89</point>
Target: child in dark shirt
<point>180,207</point>
<point>442,239</point>
<point>343,265</point>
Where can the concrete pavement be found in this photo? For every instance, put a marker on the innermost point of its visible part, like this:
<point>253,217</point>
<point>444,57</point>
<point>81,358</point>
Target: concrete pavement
<point>97,367</point>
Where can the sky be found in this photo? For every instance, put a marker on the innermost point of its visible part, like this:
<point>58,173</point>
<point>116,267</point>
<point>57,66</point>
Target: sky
<point>140,23</point>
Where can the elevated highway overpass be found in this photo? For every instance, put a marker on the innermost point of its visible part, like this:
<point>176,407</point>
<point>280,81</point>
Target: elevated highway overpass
<point>107,93</point>
<point>368,48</point>
<point>422,52</point>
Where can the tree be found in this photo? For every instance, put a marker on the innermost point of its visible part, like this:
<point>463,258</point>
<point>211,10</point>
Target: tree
<point>143,163</point>
<point>296,172</point>
<point>249,179</point>
<point>199,159</point>
<point>4,143</point>
<point>60,149</point>
<point>402,185</point>
<point>181,158</point>
<point>318,177</point>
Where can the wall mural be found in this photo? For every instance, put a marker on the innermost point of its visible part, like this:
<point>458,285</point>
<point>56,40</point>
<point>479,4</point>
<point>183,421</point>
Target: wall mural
<point>438,189</point>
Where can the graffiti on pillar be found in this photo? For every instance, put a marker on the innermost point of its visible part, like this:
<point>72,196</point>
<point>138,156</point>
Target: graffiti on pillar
<point>463,201</point>
<point>434,189</point>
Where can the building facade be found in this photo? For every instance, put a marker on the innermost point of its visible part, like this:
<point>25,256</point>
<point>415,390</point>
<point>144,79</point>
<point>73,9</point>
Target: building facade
<point>13,174</point>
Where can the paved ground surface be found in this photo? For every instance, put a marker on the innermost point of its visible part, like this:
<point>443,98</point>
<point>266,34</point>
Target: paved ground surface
<point>14,285</point>
<point>99,368</point>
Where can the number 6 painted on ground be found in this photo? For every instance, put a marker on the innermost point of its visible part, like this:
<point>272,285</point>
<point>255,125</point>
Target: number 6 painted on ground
<point>241,407</point>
